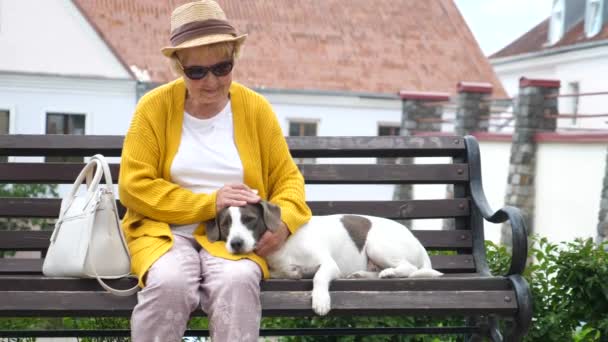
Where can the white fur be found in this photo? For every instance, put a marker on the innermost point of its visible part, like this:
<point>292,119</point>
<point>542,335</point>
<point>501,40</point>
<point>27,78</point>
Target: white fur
<point>322,249</point>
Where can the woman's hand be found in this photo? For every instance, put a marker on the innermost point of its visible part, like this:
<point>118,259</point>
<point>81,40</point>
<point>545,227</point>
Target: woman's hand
<point>271,242</point>
<point>235,195</point>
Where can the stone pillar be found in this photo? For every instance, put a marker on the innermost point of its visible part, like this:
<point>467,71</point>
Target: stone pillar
<point>530,111</point>
<point>602,226</point>
<point>421,112</point>
<point>473,107</point>
<point>472,112</point>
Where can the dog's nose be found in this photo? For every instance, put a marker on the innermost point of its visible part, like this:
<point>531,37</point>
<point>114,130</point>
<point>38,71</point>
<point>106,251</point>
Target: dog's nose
<point>236,244</point>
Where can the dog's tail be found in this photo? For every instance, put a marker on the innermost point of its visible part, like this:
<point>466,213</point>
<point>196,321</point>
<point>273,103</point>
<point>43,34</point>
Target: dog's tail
<point>426,271</point>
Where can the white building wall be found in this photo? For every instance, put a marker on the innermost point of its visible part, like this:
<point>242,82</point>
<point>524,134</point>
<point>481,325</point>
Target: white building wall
<point>52,37</point>
<point>107,104</point>
<point>587,66</point>
<point>568,189</point>
<point>494,171</point>
<point>339,116</point>
<point>567,195</point>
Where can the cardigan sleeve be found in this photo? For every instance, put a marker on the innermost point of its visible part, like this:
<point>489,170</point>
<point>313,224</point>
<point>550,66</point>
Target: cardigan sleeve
<point>141,186</point>
<point>286,183</point>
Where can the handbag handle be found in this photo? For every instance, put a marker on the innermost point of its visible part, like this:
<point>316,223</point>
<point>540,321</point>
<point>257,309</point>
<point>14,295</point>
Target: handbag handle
<point>103,166</point>
<point>85,174</point>
<point>92,184</point>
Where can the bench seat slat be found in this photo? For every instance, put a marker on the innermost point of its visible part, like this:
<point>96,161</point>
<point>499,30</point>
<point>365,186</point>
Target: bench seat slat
<point>302,147</point>
<point>46,303</point>
<point>441,208</point>
<point>444,263</point>
<point>431,239</point>
<point>448,282</point>
<point>66,173</point>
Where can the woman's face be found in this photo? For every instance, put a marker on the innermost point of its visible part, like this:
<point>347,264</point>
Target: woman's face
<point>211,89</point>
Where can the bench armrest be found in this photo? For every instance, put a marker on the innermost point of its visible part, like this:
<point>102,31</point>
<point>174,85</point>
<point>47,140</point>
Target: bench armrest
<point>507,213</point>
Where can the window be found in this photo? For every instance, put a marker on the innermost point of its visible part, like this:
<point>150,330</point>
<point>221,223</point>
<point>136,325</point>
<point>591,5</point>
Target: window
<point>60,123</point>
<point>387,129</point>
<point>301,128</point>
<point>556,26</point>
<point>572,102</point>
<point>4,128</point>
<point>593,17</point>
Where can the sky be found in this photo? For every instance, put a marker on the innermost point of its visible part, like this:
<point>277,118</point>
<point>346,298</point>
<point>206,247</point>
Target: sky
<point>496,23</point>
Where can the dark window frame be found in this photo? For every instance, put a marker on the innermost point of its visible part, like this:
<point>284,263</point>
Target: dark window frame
<point>66,126</point>
<point>304,128</point>
<point>4,159</point>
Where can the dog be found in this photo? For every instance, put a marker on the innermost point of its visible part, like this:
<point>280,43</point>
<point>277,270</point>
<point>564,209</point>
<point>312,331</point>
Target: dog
<point>325,248</point>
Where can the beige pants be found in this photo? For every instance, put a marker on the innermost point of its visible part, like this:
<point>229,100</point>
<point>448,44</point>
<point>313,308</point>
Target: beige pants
<point>186,277</point>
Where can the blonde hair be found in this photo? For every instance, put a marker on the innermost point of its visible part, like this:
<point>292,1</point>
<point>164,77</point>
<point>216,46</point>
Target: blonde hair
<point>226,49</point>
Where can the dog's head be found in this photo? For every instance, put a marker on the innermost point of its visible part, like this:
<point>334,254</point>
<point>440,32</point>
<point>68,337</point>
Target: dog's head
<point>242,227</point>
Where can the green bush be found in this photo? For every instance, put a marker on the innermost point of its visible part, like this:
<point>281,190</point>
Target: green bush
<point>29,191</point>
<point>569,284</point>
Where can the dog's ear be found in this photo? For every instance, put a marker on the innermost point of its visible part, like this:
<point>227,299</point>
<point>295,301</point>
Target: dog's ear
<point>271,215</point>
<point>213,228</point>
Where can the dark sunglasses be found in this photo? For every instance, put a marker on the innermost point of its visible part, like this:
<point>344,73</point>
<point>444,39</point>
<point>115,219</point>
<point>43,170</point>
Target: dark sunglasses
<point>197,72</point>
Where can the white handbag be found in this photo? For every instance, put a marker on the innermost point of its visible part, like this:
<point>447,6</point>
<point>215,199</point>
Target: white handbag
<point>87,241</point>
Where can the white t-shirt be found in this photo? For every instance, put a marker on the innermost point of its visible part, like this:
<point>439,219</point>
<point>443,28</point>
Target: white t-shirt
<point>207,157</point>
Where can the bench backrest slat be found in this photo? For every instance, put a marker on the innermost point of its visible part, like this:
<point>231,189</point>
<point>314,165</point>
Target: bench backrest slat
<point>65,173</point>
<point>49,207</point>
<point>304,147</point>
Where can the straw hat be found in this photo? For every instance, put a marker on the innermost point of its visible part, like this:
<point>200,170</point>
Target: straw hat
<point>200,23</point>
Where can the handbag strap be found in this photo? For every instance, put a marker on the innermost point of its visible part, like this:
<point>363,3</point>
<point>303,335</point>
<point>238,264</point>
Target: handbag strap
<point>116,292</point>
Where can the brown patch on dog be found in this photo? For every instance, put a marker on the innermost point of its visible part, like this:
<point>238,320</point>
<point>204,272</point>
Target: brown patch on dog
<point>224,222</point>
<point>217,229</point>
<point>357,227</point>
<point>252,219</point>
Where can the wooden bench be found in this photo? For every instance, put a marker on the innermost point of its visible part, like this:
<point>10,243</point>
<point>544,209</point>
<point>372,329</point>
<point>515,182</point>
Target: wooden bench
<point>468,289</point>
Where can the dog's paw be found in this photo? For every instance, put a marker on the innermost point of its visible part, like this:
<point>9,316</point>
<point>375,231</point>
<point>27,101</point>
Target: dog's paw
<point>362,275</point>
<point>388,273</point>
<point>321,302</point>
<point>290,272</point>
<point>294,272</point>
<point>356,275</point>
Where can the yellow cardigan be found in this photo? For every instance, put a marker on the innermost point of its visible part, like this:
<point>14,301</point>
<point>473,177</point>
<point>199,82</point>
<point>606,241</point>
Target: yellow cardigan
<point>153,201</point>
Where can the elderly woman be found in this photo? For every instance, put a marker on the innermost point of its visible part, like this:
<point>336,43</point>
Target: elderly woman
<point>197,145</point>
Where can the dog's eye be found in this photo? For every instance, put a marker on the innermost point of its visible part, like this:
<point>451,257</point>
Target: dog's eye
<point>248,219</point>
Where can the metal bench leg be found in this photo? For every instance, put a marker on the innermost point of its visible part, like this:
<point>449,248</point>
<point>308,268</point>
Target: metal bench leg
<point>476,322</point>
<point>494,331</point>
<point>523,319</point>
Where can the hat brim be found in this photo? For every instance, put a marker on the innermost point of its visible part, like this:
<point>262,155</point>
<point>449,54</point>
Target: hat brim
<point>168,51</point>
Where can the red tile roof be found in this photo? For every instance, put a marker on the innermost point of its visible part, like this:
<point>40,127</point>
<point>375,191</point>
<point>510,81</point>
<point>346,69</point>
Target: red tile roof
<point>536,39</point>
<point>379,46</point>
